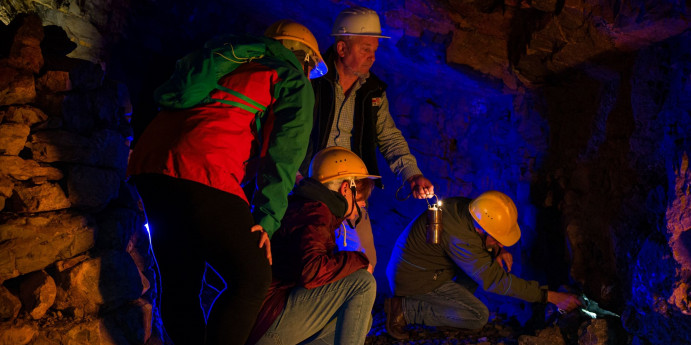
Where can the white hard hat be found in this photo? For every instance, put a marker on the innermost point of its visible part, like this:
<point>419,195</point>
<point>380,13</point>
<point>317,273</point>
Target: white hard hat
<point>357,21</point>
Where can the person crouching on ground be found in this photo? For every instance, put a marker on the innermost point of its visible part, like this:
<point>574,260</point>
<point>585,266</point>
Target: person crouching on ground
<point>425,277</point>
<point>319,293</point>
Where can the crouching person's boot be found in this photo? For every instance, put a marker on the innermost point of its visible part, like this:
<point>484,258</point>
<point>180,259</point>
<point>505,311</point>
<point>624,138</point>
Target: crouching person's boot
<point>395,320</point>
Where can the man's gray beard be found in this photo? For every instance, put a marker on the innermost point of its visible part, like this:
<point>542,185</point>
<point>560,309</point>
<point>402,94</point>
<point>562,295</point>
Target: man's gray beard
<point>359,75</point>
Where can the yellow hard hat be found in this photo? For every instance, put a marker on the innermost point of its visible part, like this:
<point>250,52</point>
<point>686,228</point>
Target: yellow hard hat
<point>296,36</point>
<point>357,21</point>
<point>337,162</point>
<point>497,215</point>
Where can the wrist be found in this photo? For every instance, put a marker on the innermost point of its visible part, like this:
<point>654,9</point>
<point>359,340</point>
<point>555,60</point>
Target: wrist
<point>411,178</point>
<point>544,293</point>
<point>410,173</point>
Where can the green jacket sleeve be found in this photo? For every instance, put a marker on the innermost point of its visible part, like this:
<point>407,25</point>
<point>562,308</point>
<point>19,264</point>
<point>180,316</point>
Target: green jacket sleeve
<point>292,113</point>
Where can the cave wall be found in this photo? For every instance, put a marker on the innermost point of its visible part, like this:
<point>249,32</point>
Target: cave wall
<point>617,169</point>
<point>579,110</point>
<point>74,254</point>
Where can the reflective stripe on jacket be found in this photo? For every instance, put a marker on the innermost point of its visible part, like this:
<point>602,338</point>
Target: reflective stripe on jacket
<point>217,144</point>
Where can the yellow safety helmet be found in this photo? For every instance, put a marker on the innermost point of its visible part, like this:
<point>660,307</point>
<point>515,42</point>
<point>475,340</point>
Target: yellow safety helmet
<point>337,162</point>
<point>497,215</point>
<point>296,36</point>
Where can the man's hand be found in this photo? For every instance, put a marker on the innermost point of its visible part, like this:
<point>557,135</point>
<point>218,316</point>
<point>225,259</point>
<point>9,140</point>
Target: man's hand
<point>564,301</point>
<point>422,187</point>
<point>264,241</point>
<point>505,260</point>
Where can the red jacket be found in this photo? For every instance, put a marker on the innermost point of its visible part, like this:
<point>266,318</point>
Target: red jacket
<point>304,250</point>
<point>217,144</point>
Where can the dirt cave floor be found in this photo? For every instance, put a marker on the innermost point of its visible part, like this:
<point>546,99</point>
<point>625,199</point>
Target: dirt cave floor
<point>557,329</point>
<point>497,331</point>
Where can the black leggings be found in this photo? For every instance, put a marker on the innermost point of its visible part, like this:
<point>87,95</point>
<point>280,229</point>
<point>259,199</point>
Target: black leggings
<point>192,224</point>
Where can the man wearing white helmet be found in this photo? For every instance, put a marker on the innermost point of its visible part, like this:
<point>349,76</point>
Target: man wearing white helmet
<point>352,111</point>
<point>433,283</point>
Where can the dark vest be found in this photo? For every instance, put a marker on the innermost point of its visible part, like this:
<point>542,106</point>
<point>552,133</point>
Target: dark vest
<point>363,139</point>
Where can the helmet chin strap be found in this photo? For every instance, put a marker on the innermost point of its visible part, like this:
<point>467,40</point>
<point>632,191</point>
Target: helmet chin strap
<point>355,206</point>
<point>306,65</point>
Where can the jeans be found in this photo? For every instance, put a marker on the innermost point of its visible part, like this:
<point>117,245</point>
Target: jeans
<point>450,305</point>
<point>335,313</point>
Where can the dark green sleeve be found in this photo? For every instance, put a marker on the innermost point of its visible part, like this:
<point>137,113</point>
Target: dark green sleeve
<point>292,113</point>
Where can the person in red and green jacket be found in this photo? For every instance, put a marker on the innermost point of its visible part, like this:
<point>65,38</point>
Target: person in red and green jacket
<point>190,164</point>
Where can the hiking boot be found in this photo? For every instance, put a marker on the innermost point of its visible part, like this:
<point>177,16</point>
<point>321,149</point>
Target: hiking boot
<point>395,320</point>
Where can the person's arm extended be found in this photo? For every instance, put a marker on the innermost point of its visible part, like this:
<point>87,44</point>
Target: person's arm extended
<point>393,145</point>
<point>286,149</point>
<point>395,149</point>
<point>564,300</point>
<point>481,267</point>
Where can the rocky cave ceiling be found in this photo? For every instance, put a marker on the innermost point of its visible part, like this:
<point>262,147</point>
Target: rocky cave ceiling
<point>520,42</point>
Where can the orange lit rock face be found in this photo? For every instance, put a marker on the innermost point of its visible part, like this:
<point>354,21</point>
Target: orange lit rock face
<point>63,151</point>
<point>38,293</point>
<point>25,53</point>
<point>529,41</point>
<point>678,217</point>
